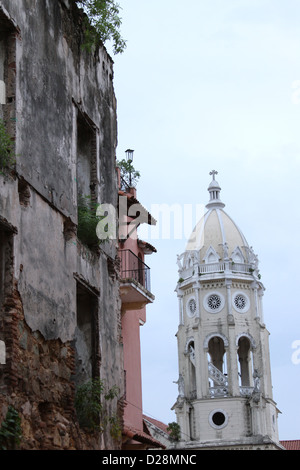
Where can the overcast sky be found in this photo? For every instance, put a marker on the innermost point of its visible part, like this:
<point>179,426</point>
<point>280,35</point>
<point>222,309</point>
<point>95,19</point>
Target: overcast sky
<point>215,84</point>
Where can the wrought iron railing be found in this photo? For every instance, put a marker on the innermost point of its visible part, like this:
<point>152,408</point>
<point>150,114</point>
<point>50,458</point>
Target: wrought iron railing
<point>132,267</point>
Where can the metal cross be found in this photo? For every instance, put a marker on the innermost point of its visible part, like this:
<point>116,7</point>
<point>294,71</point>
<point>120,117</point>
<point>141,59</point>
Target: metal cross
<point>213,174</point>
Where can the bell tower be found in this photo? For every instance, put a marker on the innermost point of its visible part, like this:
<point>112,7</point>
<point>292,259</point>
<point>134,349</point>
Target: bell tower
<point>224,387</point>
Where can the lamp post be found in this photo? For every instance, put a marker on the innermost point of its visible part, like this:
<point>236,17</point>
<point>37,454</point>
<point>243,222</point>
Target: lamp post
<point>129,158</point>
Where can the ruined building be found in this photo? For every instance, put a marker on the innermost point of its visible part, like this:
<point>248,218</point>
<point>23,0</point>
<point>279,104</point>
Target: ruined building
<point>60,315</point>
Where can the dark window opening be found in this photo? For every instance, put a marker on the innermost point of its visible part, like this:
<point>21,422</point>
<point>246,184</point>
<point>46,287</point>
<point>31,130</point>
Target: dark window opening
<point>6,263</point>
<point>218,418</point>
<point>217,354</point>
<point>192,370</point>
<point>7,73</point>
<point>86,159</point>
<point>245,362</point>
<point>87,182</point>
<point>86,336</point>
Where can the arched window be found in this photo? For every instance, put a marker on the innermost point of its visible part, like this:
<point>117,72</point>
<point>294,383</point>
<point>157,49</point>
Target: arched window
<point>217,353</point>
<point>217,367</point>
<point>192,369</point>
<point>245,362</point>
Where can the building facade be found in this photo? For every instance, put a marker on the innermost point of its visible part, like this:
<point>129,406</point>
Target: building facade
<point>60,312</point>
<point>135,291</point>
<point>225,396</point>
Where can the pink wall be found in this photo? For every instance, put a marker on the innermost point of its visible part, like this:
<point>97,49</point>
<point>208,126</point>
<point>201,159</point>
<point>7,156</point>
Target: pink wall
<point>133,413</point>
<point>132,365</point>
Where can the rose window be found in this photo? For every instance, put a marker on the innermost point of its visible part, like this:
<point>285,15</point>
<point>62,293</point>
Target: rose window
<point>192,306</point>
<point>214,302</point>
<point>240,302</point>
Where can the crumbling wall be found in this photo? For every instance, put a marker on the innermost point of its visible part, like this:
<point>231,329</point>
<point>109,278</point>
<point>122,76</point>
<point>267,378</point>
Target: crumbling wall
<point>53,81</point>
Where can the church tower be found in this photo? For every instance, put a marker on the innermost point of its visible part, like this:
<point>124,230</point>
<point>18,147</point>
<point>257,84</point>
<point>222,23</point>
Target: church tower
<point>225,396</point>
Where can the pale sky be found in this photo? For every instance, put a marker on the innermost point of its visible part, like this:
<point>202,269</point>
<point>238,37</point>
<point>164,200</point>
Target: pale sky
<point>215,84</point>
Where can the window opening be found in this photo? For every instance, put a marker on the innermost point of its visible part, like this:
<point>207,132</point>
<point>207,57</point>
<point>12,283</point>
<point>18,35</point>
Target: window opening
<point>217,367</point>
<point>86,159</point>
<point>86,335</point>
<point>245,362</point>
<point>6,262</point>
<point>192,370</point>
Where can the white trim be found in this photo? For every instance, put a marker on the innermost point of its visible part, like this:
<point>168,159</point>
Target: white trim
<point>211,251</point>
<point>246,335</point>
<point>221,225</point>
<point>210,419</point>
<point>213,335</point>
<point>188,341</point>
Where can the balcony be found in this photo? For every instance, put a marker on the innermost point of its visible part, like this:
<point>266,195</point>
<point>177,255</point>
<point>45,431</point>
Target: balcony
<point>135,281</point>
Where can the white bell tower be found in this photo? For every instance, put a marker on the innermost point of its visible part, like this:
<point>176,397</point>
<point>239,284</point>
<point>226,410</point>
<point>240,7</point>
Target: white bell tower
<point>225,389</point>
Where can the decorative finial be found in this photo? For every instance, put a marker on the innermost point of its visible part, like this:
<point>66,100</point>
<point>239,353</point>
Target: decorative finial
<point>213,173</point>
<point>214,191</point>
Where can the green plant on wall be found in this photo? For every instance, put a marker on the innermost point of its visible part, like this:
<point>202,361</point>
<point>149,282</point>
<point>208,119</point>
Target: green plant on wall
<point>174,430</point>
<point>88,221</point>
<point>102,23</point>
<point>7,157</point>
<point>90,404</point>
<point>10,431</point>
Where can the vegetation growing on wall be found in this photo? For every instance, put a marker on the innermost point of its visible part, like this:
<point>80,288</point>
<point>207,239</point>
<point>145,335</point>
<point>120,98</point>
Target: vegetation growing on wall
<point>10,431</point>
<point>90,404</point>
<point>88,221</point>
<point>6,149</point>
<point>103,23</point>
<point>174,430</point>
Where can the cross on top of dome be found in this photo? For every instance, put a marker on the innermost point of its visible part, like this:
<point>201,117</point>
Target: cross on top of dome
<point>213,173</point>
<point>214,191</point>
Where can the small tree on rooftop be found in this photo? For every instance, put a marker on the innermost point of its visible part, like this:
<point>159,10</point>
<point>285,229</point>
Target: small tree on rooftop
<point>103,23</point>
<point>129,174</point>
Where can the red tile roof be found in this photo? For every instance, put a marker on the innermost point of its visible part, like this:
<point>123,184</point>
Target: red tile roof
<point>291,445</point>
<point>157,423</point>
<point>141,436</point>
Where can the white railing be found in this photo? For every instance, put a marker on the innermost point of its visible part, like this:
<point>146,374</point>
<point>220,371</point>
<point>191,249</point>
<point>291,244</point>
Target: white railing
<point>211,268</point>
<point>225,266</point>
<point>216,375</point>
<point>218,392</point>
<point>246,391</point>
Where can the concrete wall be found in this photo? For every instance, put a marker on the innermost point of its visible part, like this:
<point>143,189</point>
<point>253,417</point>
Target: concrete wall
<point>51,80</point>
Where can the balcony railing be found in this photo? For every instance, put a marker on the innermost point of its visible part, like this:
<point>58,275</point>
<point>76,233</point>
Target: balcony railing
<point>132,267</point>
<point>222,267</point>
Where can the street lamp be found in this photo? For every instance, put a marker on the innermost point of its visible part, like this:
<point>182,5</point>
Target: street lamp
<point>129,155</point>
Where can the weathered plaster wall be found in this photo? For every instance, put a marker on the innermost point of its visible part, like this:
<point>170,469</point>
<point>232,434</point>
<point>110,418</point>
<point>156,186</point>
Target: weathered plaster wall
<point>54,80</point>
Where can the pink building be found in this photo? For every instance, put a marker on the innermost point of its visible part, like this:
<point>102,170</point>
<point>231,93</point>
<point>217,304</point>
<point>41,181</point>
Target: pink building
<point>135,295</point>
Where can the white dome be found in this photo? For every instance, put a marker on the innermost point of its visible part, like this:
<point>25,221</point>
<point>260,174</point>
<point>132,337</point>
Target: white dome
<point>217,236</point>
<point>217,241</point>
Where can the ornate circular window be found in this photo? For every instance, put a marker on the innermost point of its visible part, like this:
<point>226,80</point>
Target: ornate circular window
<point>192,307</point>
<point>241,302</point>
<point>218,419</point>
<point>213,302</point>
